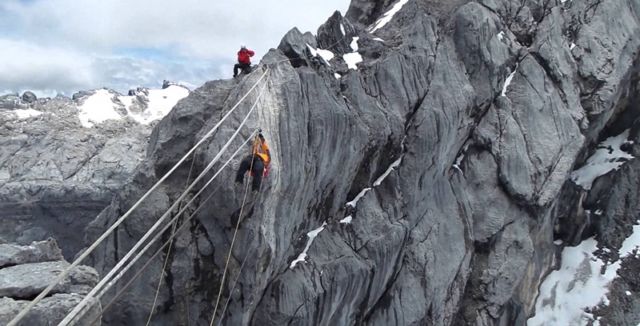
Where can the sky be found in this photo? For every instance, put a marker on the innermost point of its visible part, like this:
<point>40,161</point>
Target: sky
<point>63,46</point>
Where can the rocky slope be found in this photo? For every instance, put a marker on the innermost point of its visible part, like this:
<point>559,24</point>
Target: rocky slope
<point>426,171</point>
<point>62,159</point>
<point>26,270</point>
<point>478,110</point>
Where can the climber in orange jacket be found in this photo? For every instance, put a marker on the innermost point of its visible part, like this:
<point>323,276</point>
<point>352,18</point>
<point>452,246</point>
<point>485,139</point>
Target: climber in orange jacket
<point>257,162</point>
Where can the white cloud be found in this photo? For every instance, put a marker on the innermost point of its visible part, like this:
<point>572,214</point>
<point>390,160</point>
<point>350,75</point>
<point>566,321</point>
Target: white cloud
<point>202,29</point>
<point>49,70</point>
<point>72,45</point>
<point>26,65</point>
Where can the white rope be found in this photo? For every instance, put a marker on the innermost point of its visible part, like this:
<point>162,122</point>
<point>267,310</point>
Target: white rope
<point>97,288</point>
<point>166,227</point>
<point>166,259</point>
<point>187,220</point>
<point>235,233</point>
<point>65,273</point>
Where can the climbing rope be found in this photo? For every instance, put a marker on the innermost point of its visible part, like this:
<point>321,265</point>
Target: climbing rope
<point>226,304</point>
<point>233,240</point>
<point>104,281</point>
<point>166,243</point>
<point>166,259</point>
<point>120,220</point>
<point>148,246</point>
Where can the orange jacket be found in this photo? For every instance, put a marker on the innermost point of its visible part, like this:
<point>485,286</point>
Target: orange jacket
<point>261,149</point>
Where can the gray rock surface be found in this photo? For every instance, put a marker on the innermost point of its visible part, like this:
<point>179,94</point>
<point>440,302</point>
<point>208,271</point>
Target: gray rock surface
<point>461,233</point>
<point>28,280</point>
<point>50,311</point>
<point>11,254</point>
<point>56,175</point>
<point>29,97</point>
<point>490,105</point>
<point>26,270</point>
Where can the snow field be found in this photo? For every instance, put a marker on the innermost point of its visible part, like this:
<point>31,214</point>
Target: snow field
<point>579,284</point>
<point>607,157</point>
<point>103,105</point>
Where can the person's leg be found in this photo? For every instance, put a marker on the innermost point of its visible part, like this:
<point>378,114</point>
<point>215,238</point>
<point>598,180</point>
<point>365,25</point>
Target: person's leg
<point>246,68</point>
<point>258,169</point>
<point>244,167</point>
<point>235,69</point>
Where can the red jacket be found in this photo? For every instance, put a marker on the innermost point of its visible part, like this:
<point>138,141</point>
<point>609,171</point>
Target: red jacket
<point>244,56</point>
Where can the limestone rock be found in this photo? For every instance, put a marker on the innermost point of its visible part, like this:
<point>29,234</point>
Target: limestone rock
<point>50,311</point>
<point>28,280</point>
<point>42,251</point>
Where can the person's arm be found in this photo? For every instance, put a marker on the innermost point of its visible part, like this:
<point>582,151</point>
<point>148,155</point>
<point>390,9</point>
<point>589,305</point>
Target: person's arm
<point>251,53</point>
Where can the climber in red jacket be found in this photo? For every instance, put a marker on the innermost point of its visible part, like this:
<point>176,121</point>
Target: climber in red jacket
<point>244,61</point>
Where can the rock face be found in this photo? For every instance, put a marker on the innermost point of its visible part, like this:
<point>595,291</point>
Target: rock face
<point>43,251</point>
<point>56,174</point>
<point>29,97</point>
<point>487,106</point>
<point>421,170</point>
<point>32,269</point>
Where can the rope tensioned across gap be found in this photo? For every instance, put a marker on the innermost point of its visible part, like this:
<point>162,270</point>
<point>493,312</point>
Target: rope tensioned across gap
<point>111,229</point>
<point>157,237</point>
<point>226,265</point>
<point>83,303</point>
<point>166,259</point>
<point>226,304</point>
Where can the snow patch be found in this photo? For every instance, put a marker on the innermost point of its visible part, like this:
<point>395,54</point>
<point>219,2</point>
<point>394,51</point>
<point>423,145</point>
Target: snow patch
<point>389,15</point>
<point>573,45</point>
<point>337,75</point>
<point>456,164</point>
<point>501,35</point>
<point>26,113</point>
<point>354,202</point>
<point>103,105</point>
<point>631,243</point>
<point>324,54</point>
<point>98,108</point>
<point>577,285</point>
<point>607,157</point>
<point>354,43</point>
<point>342,29</point>
<point>312,50</point>
<point>392,167</point>
<point>312,236</point>
<point>346,220</point>
<point>161,101</point>
<point>352,59</point>
<point>627,292</point>
<point>557,242</point>
<point>378,39</point>
<point>507,82</point>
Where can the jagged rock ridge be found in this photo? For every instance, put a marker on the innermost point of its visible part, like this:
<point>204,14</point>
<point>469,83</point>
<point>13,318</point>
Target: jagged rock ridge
<point>490,104</point>
<point>61,162</point>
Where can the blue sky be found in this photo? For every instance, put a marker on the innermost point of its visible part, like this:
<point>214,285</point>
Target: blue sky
<point>63,46</point>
